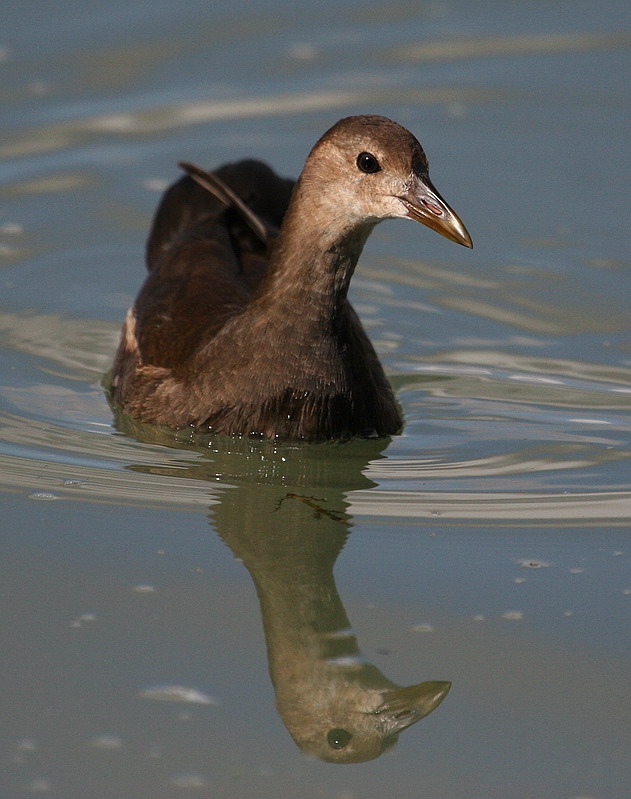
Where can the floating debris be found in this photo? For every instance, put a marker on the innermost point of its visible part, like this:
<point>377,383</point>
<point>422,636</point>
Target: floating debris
<point>189,780</point>
<point>39,786</point>
<point>303,51</point>
<point>26,745</point>
<point>155,184</point>
<point>11,229</point>
<point>23,748</point>
<point>107,742</point>
<point>84,618</point>
<point>423,628</point>
<point>143,588</point>
<point>177,693</point>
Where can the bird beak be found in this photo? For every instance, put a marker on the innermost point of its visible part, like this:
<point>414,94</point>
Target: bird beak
<point>404,706</point>
<point>424,204</point>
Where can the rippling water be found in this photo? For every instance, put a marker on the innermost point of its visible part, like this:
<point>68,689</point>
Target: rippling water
<point>487,545</point>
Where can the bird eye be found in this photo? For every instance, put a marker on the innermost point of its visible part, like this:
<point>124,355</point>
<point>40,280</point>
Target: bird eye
<point>368,163</point>
<point>338,739</point>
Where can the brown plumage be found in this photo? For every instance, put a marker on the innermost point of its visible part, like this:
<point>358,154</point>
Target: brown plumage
<point>242,329</point>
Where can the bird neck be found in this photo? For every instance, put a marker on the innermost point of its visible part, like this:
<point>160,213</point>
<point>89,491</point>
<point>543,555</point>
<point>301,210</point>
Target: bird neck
<point>315,255</point>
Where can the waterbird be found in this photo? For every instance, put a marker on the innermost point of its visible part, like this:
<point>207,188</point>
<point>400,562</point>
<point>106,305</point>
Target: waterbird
<point>243,325</point>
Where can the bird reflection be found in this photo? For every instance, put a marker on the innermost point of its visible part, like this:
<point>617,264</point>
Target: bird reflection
<point>286,520</point>
<point>334,703</point>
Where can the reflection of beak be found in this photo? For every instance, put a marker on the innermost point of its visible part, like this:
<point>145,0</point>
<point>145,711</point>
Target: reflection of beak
<point>425,205</point>
<point>403,706</point>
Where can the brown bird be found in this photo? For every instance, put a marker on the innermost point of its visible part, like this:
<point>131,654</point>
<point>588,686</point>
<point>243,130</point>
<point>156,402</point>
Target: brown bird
<point>243,325</point>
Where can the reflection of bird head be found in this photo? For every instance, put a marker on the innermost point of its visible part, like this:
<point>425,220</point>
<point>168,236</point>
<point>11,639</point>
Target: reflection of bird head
<point>347,717</point>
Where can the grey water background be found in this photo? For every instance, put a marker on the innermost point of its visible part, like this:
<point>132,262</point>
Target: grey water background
<point>488,545</point>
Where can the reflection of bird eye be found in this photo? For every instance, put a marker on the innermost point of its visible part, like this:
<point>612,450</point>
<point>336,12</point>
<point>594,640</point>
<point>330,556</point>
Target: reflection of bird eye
<point>338,739</point>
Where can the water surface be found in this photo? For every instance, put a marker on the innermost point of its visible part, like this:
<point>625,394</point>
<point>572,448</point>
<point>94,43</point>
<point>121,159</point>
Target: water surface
<point>487,546</point>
